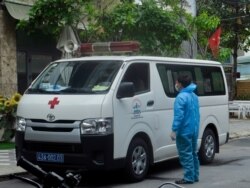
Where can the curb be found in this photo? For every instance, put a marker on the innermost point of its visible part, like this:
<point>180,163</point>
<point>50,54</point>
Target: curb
<point>6,177</point>
<point>242,134</point>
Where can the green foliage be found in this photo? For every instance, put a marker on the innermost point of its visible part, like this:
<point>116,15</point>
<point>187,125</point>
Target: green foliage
<point>159,30</point>
<point>160,26</point>
<point>204,24</point>
<point>234,16</point>
<point>51,16</point>
<point>6,123</point>
<point>8,107</point>
<point>7,145</point>
<point>157,25</point>
<point>224,54</point>
<point>234,19</point>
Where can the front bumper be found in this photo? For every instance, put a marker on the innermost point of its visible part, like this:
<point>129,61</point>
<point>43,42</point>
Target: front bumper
<point>95,152</point>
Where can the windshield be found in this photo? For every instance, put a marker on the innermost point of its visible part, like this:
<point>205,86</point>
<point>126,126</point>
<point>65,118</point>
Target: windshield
<point>76,77</point>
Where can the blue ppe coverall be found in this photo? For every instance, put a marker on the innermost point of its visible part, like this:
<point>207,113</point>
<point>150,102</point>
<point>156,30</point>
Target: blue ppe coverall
<point>186,126</point>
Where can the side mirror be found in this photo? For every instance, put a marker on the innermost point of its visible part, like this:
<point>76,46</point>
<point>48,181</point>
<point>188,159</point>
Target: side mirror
<point>237,74</point>
<point>126,89</point>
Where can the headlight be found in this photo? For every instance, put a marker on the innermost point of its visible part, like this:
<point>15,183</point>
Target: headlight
<point>20,124</point>
<point>97,126</point>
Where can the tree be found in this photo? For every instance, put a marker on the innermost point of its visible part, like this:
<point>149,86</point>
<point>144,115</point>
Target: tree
<point>157,25</point>
<point>51,16</point>
<point>235,22</point>
<point>201,27</point>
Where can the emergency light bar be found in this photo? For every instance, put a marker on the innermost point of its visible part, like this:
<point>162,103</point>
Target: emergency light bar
<point>109,47</point>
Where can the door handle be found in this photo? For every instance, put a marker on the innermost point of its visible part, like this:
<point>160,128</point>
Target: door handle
<point>150,103</point>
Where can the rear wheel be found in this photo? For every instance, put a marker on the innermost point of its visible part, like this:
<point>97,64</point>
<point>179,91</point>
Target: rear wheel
<point>137,161</point>
<point>208,147</point>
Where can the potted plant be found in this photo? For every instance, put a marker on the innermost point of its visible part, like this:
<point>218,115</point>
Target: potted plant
<point>8,108</point>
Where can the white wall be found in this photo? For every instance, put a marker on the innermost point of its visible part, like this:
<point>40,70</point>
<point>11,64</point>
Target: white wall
<point>189,48</point>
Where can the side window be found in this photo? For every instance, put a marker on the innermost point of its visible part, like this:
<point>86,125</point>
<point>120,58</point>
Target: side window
<point>169,73</point>
<point>213,81</point>
<point>199,81</point>
<point>138,73</point>
<point>209,80</point>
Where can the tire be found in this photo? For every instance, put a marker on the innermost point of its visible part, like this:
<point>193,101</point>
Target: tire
<point>208,147</point>
<point>137,160</point>
<point>18,152</point>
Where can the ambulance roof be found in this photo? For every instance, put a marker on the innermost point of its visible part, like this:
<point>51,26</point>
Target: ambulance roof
<point>139,58</point>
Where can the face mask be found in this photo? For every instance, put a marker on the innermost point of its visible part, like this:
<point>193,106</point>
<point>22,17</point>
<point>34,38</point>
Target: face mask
<point>177,87</point>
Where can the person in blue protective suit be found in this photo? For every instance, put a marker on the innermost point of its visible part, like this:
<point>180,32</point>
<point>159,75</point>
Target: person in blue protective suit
<point>185,128</point>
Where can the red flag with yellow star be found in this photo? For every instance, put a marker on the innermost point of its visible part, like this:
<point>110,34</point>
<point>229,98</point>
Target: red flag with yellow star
<point>214,42</point>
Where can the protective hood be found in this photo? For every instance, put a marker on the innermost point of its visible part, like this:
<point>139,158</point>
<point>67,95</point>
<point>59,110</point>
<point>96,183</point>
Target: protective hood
<point>190,88</point>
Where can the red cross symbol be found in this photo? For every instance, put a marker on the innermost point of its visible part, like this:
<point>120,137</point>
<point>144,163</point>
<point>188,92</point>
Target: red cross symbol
<point>53,102</point>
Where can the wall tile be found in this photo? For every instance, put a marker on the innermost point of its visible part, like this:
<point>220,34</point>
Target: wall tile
<point>8,72</point>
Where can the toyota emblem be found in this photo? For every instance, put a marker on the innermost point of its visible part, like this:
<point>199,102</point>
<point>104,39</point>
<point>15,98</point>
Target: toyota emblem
<point>51,117</point>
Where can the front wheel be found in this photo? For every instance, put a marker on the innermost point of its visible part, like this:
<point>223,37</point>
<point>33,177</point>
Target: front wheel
<point>208,147</point>
<point>137,160</point>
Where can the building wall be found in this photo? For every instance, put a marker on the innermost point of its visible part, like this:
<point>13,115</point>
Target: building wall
<point>189,48</point>
<point>8,73</point>
<point>243,88</point>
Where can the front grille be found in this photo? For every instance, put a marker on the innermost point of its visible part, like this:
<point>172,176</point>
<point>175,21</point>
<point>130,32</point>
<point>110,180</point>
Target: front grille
<point>57,121</point>
<point>54,129</point>
<point>53,147</point>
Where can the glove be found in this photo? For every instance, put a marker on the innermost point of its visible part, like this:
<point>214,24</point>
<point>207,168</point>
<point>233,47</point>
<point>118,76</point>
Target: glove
<point>173,135</point>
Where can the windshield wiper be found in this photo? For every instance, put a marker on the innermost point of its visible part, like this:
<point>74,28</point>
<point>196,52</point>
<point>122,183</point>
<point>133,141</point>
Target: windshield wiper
<point>69,90</point>
<point>77,90</point>
<point>38,90</point>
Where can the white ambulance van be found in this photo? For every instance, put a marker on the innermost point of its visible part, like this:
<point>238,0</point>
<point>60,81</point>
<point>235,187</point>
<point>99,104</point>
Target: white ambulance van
<point>107,112</point>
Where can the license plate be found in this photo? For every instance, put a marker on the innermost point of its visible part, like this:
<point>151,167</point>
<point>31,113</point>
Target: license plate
<point>50,157</point>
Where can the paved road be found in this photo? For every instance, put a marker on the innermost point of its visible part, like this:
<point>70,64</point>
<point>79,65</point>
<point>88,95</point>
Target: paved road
<point>238,128</point>
<point>8,163</point>
<point>7,157</point>
<point>230,169</point>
